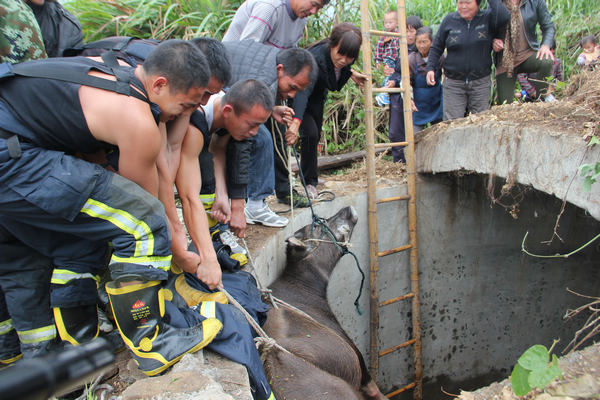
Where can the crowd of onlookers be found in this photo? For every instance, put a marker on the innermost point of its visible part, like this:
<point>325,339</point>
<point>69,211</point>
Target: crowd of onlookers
<point>450,73</point>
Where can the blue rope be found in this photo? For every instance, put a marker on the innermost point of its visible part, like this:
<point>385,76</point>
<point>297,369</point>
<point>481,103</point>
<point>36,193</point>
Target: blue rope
<point>317,220</point>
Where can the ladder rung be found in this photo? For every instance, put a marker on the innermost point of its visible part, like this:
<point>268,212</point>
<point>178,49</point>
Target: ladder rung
<point>388,199</point>
<point>396,299</point>
<point>395,250</point>
<point>388,90</point>
<point>392,349</point>
<point>402,389</point>
<point>386,145</point>
<point>384,33</point>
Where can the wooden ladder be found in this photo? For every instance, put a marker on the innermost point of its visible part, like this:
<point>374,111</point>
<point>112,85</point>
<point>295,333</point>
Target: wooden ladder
<point>374,254</point>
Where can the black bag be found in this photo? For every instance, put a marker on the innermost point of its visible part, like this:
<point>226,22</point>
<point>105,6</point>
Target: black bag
<point>130,49</point>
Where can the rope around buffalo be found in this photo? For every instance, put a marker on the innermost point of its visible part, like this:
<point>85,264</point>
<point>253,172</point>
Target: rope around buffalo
<point>317,220</point>
<point>263,338</point>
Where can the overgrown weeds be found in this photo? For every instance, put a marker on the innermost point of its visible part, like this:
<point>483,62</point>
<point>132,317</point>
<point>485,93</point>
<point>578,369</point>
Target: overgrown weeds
<point>343,128</point>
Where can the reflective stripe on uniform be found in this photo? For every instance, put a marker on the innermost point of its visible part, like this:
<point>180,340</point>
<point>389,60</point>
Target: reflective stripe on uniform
<point>144,239</point>
<point>208,309</point>
<point>64,276</point>
<point>37,335</point>
<point>160,262</point>
<point>207,200</point>
<point>6,326</point>
<point>271,397</point>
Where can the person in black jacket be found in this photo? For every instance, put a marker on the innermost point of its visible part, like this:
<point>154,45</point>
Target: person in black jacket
<point>519,50</point>
<point>396,122</point>
<point>60,29</point>
<point>467,36</point>
<point>334,56</point>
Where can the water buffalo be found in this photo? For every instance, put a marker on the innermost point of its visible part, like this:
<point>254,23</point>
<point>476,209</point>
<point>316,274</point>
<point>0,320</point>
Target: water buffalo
<point>320,349</point>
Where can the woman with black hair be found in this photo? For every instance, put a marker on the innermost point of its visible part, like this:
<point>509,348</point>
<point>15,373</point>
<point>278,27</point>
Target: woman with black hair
<point>334,56</point>
<point>467,36</point>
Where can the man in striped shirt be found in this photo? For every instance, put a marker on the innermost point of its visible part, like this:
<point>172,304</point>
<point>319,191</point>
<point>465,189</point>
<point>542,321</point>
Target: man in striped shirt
<point>278,23</point>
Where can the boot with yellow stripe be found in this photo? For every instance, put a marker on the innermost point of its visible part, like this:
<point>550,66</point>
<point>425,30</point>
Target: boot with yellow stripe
<point>77,325</point>
<point>186,295</point>
<point>10,350</point>
<point>139,308</point>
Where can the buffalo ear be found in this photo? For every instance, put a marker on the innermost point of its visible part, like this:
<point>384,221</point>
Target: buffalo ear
<point>296,249</point>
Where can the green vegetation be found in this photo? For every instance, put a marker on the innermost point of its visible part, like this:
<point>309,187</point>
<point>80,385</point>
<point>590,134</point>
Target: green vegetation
<point>534,370</point>
<point>590,172</point>
<point>343,128</point>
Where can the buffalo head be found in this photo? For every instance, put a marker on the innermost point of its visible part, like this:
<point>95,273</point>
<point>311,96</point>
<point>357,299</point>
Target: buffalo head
<point>317,240</point>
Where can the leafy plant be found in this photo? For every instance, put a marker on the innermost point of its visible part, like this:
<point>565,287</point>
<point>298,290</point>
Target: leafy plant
<point>534,370</point>
<point>590,172</point>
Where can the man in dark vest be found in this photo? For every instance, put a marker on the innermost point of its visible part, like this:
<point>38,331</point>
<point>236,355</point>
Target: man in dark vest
<point>58,210</point>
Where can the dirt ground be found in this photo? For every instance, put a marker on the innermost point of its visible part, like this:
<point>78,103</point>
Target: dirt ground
<point>577,112</point>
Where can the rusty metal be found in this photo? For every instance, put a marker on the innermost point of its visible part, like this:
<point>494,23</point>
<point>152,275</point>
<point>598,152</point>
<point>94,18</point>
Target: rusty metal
<point>396,299</point>
<point>394,250</point>
<point>396,347</point>
<point>372,201</point>
<point>389,199</point>
<point>402,389</point>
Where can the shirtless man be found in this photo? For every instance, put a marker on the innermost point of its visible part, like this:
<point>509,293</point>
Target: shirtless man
<point>62,207</point>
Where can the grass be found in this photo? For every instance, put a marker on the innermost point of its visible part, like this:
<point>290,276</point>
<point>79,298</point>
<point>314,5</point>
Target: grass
<point>343,128</point>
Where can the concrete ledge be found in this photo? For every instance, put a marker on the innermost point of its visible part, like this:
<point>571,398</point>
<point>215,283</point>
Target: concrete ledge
<point>545,159</point>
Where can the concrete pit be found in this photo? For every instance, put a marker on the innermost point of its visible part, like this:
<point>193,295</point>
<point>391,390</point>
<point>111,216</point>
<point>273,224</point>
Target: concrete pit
<point>483,301</point>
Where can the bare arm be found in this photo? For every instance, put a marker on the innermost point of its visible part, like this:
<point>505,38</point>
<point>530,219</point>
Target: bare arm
<point>138,162</point>
<point>188,183</point>
<point>167,165</point>
<point>221,210</point>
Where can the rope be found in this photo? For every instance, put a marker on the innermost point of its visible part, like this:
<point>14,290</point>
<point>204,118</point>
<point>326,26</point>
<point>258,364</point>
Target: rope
<point>317,220</point>
<point>251,320</point>
<point>262,338</point>
<point>263,290</point>
<point>288,165</point>
<point>291,179</point>
<point>88,391</point>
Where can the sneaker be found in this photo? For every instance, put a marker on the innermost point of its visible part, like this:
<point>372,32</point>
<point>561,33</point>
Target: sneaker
<point>265,216</point>
<point>312,191</point>
<point>104,323</point>
<point>228,238</point>
<point>382,99</point>
<point>549,98</point>
<point>300,200</point>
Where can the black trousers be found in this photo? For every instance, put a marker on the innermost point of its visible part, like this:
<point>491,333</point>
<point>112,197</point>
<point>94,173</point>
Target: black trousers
<point>282,181</point>
<point>396,127</point>
<point>310,134</point>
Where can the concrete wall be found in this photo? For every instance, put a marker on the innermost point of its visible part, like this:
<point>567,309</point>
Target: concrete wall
<point>540,156</point>
<point>483,302</point>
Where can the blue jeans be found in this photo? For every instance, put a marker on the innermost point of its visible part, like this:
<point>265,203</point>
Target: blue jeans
<point>261,181</point>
